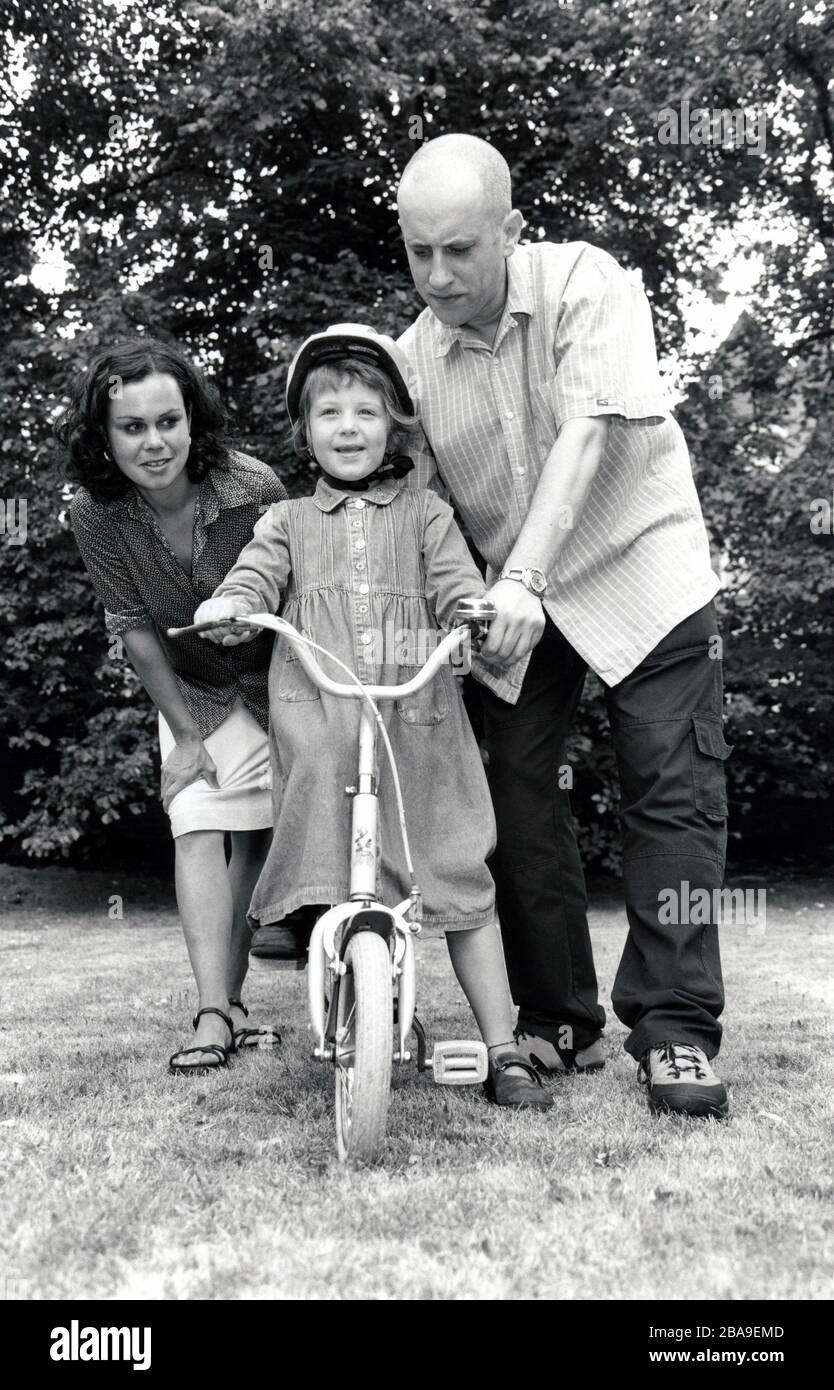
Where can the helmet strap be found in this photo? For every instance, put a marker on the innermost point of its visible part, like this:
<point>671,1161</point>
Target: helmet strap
<point>393,466</point>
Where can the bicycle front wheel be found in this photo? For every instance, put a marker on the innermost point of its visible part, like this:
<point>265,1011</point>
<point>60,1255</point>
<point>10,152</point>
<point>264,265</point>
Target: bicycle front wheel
<point>364,1046</point>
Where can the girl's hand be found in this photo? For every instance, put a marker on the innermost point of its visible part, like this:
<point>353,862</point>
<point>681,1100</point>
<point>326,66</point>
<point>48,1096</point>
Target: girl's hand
<point>214,610</point>
<point>186,763</point>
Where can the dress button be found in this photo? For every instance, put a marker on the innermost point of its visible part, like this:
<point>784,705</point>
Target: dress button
<point>363,588</point>
<point>357,525</point>
<point>359,504</point>
<point>359,545</point>
<point>362,608</point>
<point>521,472</point>
<point>510,415</point>
<point>366,637</point>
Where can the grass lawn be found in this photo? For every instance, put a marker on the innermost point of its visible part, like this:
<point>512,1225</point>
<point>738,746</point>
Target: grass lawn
<point>119,1181</point>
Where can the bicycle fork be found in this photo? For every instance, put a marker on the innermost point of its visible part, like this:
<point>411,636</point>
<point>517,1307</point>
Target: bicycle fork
<point>363,911</point>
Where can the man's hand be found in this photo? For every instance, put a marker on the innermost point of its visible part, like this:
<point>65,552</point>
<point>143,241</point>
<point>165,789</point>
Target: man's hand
<point>214,610</point>
<point>186,763</point>
<point>518,626</point>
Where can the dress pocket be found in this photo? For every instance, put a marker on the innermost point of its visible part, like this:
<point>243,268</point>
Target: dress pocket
<point>430,705</point>
<point>710,751</point>
<point>293,684</point>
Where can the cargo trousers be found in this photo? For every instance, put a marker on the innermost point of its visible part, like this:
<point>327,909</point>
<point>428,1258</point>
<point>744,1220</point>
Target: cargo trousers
<point>666,726</point>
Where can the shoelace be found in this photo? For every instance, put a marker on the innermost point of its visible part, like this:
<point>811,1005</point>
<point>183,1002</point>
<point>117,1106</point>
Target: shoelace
<point>678,1058</point>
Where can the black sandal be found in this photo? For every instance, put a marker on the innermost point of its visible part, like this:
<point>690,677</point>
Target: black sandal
<point>221,1053</point>
<point>242,1035</point>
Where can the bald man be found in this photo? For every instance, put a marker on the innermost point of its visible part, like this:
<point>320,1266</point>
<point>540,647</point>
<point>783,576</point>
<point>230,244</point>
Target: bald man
<point>546,421</point>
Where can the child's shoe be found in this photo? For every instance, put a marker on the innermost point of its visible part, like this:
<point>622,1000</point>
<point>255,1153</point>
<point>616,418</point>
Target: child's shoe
<point>504,1087</point>
<point>286,940</point>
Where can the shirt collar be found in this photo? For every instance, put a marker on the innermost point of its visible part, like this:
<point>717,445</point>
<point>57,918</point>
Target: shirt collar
<point>219,489</point>
<point>328,498</point>
<point>520,300</point>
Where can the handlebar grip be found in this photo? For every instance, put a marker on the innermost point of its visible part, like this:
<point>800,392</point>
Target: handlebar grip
<point>475,610</point>
<point>206,627</point>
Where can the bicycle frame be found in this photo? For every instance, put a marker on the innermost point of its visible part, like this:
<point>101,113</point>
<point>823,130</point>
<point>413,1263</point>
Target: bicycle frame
<point>398,925</point>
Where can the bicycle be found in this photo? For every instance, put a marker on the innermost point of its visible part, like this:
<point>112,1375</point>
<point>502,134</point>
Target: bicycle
<point>361,955</point>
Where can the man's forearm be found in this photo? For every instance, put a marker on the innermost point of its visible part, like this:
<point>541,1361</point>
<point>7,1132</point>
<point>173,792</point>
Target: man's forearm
<point>153,668</point>
<point>560,494</point>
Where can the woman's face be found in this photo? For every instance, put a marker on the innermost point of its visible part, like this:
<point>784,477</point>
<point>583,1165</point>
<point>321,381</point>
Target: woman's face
<point>147,429</point>
<point>348,429</point>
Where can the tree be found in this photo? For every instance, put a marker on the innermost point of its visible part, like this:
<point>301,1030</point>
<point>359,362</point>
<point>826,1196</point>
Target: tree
<point>224,174</point>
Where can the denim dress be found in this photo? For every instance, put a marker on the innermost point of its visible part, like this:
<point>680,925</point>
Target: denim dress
<point>371,576</point>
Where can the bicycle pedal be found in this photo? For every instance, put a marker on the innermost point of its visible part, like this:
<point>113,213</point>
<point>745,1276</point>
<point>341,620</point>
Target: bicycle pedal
<point>457,1063</point>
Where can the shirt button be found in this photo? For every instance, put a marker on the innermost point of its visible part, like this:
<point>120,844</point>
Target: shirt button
<point>363,588</point>
<point>362,608</point>
<point>359,564</point>
<point>359,504</point>
<point>510,415</point>
<point>359,545</point>
<point>366,637</point>
<point>357,525</point>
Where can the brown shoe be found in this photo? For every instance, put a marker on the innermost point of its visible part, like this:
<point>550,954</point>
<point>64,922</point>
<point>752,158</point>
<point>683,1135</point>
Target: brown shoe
<point>551,1061</point>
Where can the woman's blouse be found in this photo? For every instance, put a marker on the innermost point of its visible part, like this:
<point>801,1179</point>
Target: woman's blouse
<point>141,583</point>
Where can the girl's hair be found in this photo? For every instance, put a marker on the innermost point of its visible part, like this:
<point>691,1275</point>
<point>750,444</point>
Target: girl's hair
<point>82,429</point>
<point>332,375</point>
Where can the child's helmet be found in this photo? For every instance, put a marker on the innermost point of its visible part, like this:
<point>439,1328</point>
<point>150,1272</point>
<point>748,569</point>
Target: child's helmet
<point>350,340</point>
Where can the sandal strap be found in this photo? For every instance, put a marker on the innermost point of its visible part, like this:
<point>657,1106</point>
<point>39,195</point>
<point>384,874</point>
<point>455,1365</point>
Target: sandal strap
<point>503,1060</point>
<point>238,1004</point>
<point>220,1052</point>
<point>267,1031</point>
<point>210,1009</point>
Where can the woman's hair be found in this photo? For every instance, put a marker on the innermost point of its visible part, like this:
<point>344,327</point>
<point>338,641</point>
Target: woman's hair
<point>332,375</point>
<point>82,429</point>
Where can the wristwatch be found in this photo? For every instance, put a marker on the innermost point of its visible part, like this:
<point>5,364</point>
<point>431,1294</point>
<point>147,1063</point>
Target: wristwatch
<point>532,579</point>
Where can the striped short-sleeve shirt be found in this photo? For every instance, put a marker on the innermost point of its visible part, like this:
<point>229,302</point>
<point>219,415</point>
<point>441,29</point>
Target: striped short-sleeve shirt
<point>575,340</point>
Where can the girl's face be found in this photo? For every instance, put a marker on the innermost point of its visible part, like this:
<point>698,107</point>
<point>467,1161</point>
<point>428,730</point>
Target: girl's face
<point>348,429</point>
<point>147,429</point>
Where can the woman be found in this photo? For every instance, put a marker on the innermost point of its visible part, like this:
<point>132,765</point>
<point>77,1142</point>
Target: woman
<point>164,508</point>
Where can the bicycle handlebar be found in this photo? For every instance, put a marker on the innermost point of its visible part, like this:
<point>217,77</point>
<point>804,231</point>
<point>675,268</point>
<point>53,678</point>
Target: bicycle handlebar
<point>450,642</point>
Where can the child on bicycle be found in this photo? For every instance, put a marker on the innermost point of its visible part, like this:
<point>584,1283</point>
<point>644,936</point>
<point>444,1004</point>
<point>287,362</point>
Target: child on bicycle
<point>371,570</point>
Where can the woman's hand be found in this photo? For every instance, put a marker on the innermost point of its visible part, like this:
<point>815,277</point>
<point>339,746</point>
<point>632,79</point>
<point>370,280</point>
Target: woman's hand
<point>215,610</point>
<point>187,761</point>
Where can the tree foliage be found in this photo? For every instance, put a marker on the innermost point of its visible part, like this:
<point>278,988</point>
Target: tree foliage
<point>223,174</point>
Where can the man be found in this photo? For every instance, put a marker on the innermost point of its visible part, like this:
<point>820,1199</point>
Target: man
<point>546,421</point>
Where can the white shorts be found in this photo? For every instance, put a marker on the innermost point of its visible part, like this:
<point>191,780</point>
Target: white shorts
<point>243,799</point>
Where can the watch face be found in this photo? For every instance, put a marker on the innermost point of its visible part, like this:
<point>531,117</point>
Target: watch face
<point>537,581</point>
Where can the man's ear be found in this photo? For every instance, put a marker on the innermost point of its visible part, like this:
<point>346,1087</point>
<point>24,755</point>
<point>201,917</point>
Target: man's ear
<point>511,230</point>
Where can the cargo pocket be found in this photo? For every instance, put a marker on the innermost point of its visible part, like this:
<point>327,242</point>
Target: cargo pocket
<point>430,705</point>
<point>710,751</point>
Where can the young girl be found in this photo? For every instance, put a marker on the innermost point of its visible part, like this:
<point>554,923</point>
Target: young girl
<point>370,570</point>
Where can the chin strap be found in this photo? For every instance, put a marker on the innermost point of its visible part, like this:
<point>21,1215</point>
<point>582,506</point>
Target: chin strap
<point>392,466</point>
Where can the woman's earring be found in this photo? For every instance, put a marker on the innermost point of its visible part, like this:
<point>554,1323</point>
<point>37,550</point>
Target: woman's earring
<point>310,455</point>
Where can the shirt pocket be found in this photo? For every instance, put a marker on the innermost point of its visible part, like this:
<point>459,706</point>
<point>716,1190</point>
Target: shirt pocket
<point>429,705</point>
<point>293,684</point>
